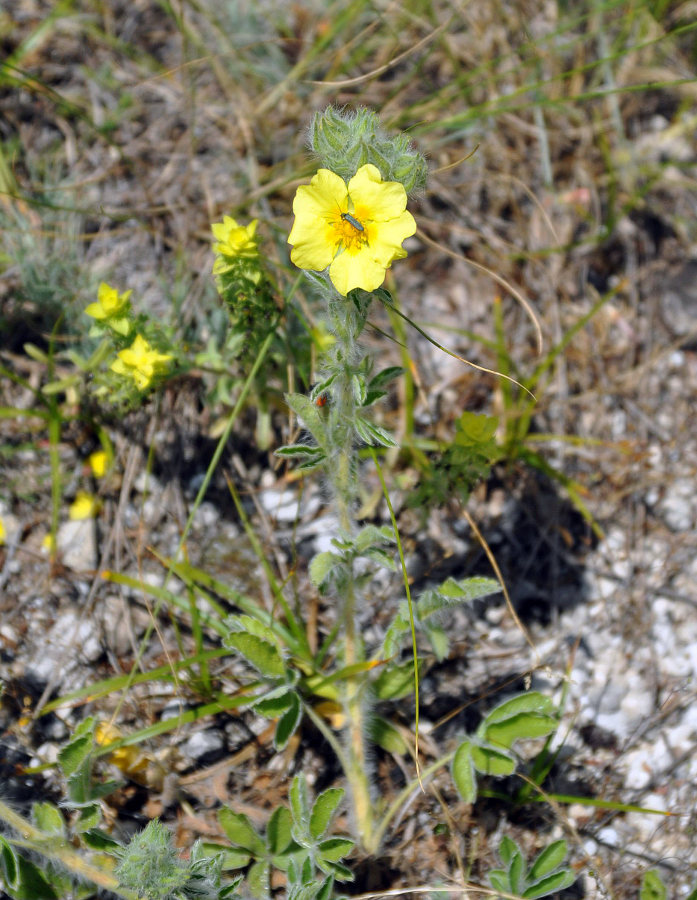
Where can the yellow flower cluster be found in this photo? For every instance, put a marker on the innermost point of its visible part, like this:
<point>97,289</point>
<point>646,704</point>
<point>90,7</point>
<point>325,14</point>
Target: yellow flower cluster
<point>140,362</point>
<point>111,308</point>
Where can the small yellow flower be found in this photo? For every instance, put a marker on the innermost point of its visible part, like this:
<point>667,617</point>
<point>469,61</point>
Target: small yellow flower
<point>109,302</point>
<point>49,543</point>
<point>130,760</point>
<point>3,532</point>
<point>356,230</point>
<point>235,240</point>
<point>84,506</point>
<point>141,362</point>
<point>98,463</point>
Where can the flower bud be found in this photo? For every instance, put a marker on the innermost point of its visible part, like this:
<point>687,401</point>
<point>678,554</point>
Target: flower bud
<point>344,141</point>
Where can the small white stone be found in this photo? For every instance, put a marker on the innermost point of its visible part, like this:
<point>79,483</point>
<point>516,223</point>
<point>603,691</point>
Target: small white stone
<point>203,743</point>
<point>77,545</point>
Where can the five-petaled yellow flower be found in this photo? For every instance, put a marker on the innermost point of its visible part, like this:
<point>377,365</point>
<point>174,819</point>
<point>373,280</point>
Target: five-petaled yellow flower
<point>356,229</point>
<point>110,307</point>
<point>233,240</point>
<point>141,362</point>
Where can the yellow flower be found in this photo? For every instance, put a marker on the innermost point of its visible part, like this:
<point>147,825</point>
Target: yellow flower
<point>3,532</point>
<point>140,361</point>
<point>356,230</point>
<point>234,240</point>
<point>109,302</point>
<point>84,506</point>
<point>98,462</point>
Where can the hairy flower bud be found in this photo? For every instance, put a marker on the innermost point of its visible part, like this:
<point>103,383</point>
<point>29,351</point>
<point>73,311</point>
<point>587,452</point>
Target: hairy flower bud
<point>344,141</point>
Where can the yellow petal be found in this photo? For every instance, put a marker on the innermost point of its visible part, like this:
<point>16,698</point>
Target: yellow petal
<point>349,271</point>
<point>374,199</point>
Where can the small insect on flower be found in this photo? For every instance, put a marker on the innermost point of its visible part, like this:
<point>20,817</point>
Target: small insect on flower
<point>322,400</point>
<point>347,217</point>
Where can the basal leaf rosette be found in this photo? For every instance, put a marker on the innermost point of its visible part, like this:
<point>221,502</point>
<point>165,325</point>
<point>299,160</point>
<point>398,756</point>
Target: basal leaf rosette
<point>356,230</point>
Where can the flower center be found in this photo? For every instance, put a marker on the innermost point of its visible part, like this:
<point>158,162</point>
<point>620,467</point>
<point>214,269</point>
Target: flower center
<point>349,232</point>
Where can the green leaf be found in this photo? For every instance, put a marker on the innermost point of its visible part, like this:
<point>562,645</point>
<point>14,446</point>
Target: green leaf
<point>547,860</point>
<point>506,849</point>
<point>335,848</point>
<point>258,880</point>
<point>232,857</point>
<point>31,883</point>
<point>530,702</point>
<point>492,762</point>
<point>323,811</point>
<point>288,723</point>
<point>90,817</point>
<point>292,450</point>
<point>652,887</point>
<point>522,727</point>
<point>371,535</point>
<point>498,879</point>
<point>8,861</point>
<point>438,638</point>
<point>96,839</point>
<point>275,705</point>
<point>299,802</point>
<point>259,653</point>
<point>373,435</point>
<point>74,754</point>
<point>337,869</point>
<point>279,835</point>
<point>48,818</point>
<point>309,415</point>
<point>558,881</point>
<point>516,872</point>
<point>395,681</point>
<point>452,592</point>
<point>240,831</point>
<point>384,377</point>
<point>322,565</point>
<point>463,772</point>
<point>326,890</point>
<point>385,735</point>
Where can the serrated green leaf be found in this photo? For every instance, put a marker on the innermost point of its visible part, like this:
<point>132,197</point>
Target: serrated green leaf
<point>452,592</point>
<point>550,858</point>
<point>278,832</point>
<point>385,735</point>
<point>323,811</point>
<point>48,818</point>
<point>240,831</point>
<point>371,535</point>
<point>322,565</point>
<point>259,653</point>
<point>74,754</point>
<point>395,681</point>
<point>438,638</point>
<point>463,772</point>
<point>558,881</point>
<point>288,723</point>
<point>335,848</point>
<point>492,762</point>
<point>652,887</point>
<point>258,880</point>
